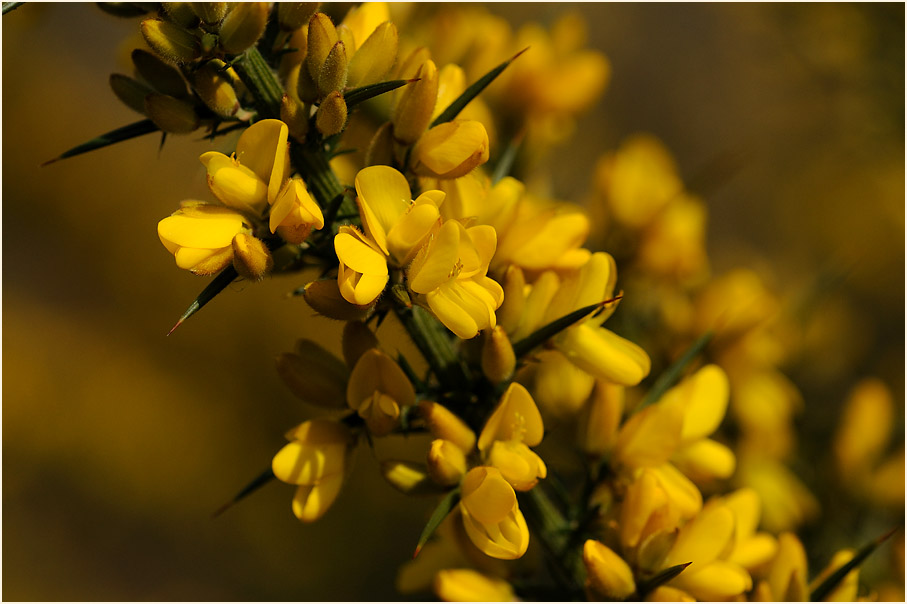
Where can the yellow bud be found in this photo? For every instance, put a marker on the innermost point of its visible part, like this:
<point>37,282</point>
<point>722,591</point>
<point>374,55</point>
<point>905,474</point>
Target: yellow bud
<point>380,150</point>
<point>412,113</point>
<point>333,73</point>
<point>215,89</point>
<point>865,428</point>
<point>129,91</point>
<point>314,375</point>
<point>446,462</point>
<point>170,41</point>
<point>519,465</point>
<point>374,57</point>
<point>408,478</point>
<point>251,257</point>
<point>465,585</point>
<point>498,359</point>
<point>181,13</point>
<point>451,150</point>
<point>293,114</point>
<point>162,76</point>
<point>357,339</point>
<point>443,424</point>
<point>306,89</point>
<point>598,428</point>
<point>293,15</point>
<point>322,38</point>
<point>609,576</point>
<point>324,297</point>
<point>170,114</point>
<point>330,118</point>
<point>243,27</point>
<point>209,12</point>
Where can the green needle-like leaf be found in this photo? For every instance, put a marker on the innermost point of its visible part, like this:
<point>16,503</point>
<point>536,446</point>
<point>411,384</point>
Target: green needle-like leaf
<point>444,508</point>
<point>11,6</point>
<point>645,586</point>
<point>364,93</point>
<point>672,374</point>
<point>260,481</point>
<point>508,158</point>
<point>114,136</point>
<point>825,588</point>
<point>217,285</point>
<point>546,332</point>
<point>454,109</point>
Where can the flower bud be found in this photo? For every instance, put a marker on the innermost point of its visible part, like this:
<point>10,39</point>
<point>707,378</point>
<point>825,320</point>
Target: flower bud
<point>333,73</point>
<point>181,13</point>
<point>598,428</point>
<point>408,478</point>
<point>215,89</point>
<point>162,76</point>
<point>357,340</point>
<point>374,57</point>
<point>293,15</point>
<point>170,114</point>
<point>131,92</point>
<point>170,41</point>
<point>609,576</point>
<point>466,585</point>
<point>331,116</point>
<point>295,213</point>
<point>243,27</point>
<point>209,12</point>
<point>251,257</point>
<point>498,359</point>
<point>293,114</point>
<point>324,297</point>
<point>412,113</point>
<point>322,38</point>
<point>306,88</point>
<point>314,375</point>
<point>443,424</point>
<point>380,150</point>
<point>446,462</point>
<point>451,150</point>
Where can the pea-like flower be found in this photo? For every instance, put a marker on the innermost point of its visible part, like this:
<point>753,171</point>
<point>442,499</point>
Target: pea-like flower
<point>362,273</point>
<point>294,213</point>
<point>451,150</point>
<point>314,459</point>
<point>491,515</point>
<point>609,576</point>
<point>512,428</point>
<point>377,390</point>
<point>200,236</point>
<point>252,177</point>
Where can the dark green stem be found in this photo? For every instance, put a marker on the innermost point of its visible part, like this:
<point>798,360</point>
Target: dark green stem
<point>553,531</point>
<point>261,82</point>
<point>433,341</point>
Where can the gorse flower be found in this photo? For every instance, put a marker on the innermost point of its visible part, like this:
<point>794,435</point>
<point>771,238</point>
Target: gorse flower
<point>491,515</point>
<point>200,236</point>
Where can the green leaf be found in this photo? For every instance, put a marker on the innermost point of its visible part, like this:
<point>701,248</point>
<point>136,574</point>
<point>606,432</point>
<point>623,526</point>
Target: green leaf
<point>546,332</point>
<point>444,508</point>
<point>258,482</point>
<point>825,588</point>
<point>643,587</point>
<point>454,109</point>
<point>217,285</point>
<point>114,136</point>
<point>672,374</point>
<point>364,93</point>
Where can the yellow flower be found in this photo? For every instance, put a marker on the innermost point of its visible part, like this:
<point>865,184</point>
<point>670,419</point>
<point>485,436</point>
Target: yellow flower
<point>491,516</point>
<point>864,429</point>
<point>515,418</point>
<point>362,273</point>
<point>253,176</point>
<point>519,465</point>
<point>443,424</point>
<point>450,272</point>
<point>377,390</point>
<point>788,574</point>
<point>751,549</point>
<point>397,224</point>
<point>295,213</point>
<point>446,462</point>
<point>451,150</point>
<point>465,585</point>
<point>609,576</point>
<point>200,236</point>
<point>315,459</point>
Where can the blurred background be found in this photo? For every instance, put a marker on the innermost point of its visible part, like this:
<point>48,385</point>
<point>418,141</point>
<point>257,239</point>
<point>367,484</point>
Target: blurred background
<point>119,442</point>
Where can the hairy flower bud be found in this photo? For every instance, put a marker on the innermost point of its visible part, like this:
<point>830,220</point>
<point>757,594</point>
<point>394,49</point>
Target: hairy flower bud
<point>333,73</point>
<point>251,257</point>
<point>331,116</point>
<point>209,12</point>
<point>498,359</point>
<point>322,38</point>
<point>293,114</point>
<point>171,41</point>
<point>215,88</point>
<point>293,15</point>
<point>243,26</point>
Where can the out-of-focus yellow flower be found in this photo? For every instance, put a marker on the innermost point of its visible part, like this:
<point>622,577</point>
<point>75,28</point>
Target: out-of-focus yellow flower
<point>466,585</point>
<point>788,574</point>
<point>450,272</point>
<point>451,150</point>
<point>362,273</point>
<point>200,236</point>
<point>443,424</point>
<point>315,459</point>
<point>446,462</point>
<point>294,213</point>
<point>846,590</point>
<point>664,593</point>
<point>786,502</point>
<point>396,223</point>
<point>601,420</point>
<point>608,575</point>
<point>377,390</point>
<point>864,428</point>
<point>673,245</point>
<point>416,102</point>
<point>733,303</point>
<point>491,516</point>
<point>252,177</point>
<point>751,549</point>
